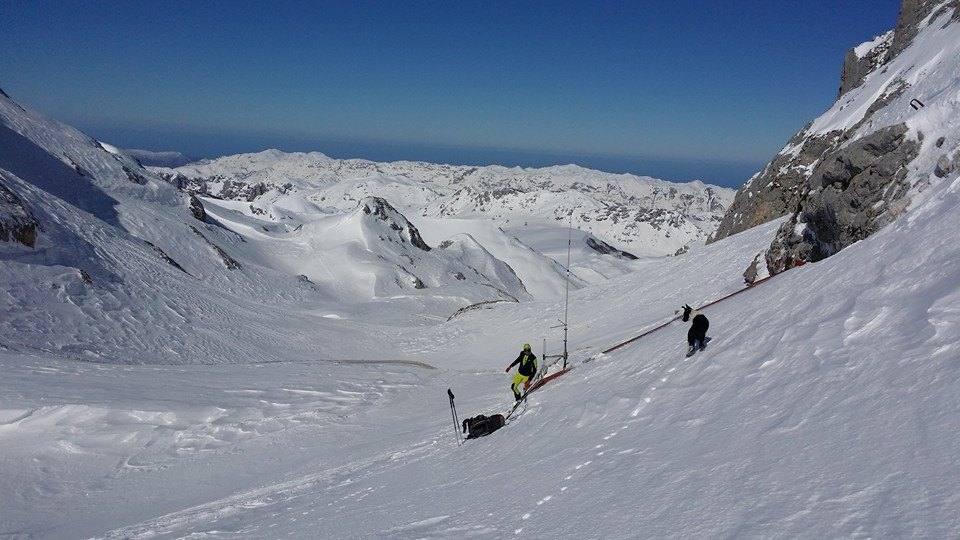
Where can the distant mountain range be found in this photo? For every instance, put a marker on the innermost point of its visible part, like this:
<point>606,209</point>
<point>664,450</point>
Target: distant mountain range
<point>642,215</point>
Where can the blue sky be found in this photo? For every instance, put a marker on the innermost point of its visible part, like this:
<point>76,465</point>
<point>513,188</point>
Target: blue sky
<point>677,89</point>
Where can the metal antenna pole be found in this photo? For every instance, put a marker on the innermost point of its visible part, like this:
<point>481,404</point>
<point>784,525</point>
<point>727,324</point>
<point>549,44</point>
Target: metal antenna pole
<point>566,300</point>
<point>543,360</point>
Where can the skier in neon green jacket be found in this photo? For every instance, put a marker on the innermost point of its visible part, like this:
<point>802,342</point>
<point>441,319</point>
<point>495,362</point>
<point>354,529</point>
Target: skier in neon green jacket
<point>527,362</point>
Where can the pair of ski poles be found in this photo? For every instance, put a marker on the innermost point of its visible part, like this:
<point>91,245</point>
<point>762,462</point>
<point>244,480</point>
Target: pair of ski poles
<point>456,419</point>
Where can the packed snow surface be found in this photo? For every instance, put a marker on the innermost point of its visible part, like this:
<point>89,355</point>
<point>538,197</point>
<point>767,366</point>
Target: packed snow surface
<point>826,405</point>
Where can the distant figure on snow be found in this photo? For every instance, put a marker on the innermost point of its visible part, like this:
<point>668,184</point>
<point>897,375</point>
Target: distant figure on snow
<point>528,368</point>
<point>697,335</point>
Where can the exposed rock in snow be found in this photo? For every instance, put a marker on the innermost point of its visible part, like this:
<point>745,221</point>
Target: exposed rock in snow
<point>196,208</point>
<point>863,60</point>
<point>778,187</point>
<point>228,262</point>
<point>406,232</point>
<point>602,247</point>
<point>17,224</point>
<point>751,274</point>
<point>947,165</point>
<point>913,16</point>
<point>854,192</point>
<point>857,166</point>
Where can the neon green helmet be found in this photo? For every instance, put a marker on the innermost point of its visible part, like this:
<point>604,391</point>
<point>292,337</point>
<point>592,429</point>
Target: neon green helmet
<point>526,347</point>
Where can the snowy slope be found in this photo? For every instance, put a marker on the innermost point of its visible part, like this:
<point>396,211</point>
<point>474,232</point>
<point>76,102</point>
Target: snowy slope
<point>642,215</point>
<point>826,405</point>
<point>370,252</point>
<point>120,267</point>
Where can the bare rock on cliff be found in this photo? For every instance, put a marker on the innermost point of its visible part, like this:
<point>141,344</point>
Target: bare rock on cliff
<point>854,192</point>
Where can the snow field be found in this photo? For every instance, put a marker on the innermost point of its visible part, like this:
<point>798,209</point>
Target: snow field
<point>839,422</point>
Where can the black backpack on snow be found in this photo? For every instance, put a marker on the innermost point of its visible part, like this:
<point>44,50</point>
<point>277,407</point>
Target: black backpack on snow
<point>481,425</point>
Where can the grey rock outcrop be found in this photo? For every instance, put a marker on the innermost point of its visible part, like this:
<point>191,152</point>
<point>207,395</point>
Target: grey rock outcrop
<point>947,165</point>
<point>780,186</point>
<point>196,208</point>
<point>854,192</point>
<point>17,224</point>
<point>841,186</point>
<point>752,272</point>
<point>380,209</point>
<point>912,12</point>
<point>606,249</point>
<point>857,67</point>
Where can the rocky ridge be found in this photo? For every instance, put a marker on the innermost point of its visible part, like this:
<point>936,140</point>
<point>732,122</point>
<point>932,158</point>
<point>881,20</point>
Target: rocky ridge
<point>855,168</point>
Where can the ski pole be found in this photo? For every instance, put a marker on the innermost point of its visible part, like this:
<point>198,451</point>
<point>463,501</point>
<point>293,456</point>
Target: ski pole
<point>456,421</point>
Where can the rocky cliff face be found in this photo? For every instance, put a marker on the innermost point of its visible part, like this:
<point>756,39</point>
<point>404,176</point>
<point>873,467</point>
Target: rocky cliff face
<point>847,173</point>
<point>862,60</point>
<point>853,193</point>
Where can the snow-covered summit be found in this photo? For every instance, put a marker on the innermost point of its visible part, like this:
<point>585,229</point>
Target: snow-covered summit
<point>395,224</point>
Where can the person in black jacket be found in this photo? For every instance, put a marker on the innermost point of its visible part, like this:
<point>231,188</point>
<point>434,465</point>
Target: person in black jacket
<point>697,335</point>
<point>528,368</point>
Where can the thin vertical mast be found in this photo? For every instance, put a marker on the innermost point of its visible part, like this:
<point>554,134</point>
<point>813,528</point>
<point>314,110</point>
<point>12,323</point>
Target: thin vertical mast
<point>566,295</point>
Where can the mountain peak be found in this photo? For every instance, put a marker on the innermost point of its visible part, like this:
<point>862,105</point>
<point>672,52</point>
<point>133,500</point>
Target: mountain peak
<point>379,209</point>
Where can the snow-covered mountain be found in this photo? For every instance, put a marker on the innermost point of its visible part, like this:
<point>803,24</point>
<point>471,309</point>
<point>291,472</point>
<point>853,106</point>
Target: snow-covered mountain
<point>894,130</point>
<point>370,252</point>
<point>641,215</point>
<point>120,261</point>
